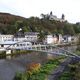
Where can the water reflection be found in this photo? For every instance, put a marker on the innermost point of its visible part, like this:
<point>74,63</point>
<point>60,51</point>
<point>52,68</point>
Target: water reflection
<point>37,57</point>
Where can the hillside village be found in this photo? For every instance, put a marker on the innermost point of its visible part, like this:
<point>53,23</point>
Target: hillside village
<point>47,30</point>
<point>27,39</point>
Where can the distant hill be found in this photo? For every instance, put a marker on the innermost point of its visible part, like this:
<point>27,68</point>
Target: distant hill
<point>6,19</point>
<point>10,24</point>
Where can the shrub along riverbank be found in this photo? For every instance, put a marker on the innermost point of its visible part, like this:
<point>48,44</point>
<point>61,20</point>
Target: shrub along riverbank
<point>39,72</point>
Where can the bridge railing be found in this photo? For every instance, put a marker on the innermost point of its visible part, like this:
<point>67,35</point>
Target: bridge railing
<point>42,48</point>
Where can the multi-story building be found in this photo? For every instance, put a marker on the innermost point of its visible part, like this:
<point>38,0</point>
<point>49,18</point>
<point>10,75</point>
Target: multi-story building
<point>53,39</point>
<point>4,38</point>
<point>26,36</point>
<point>31,36</point>
<point>20,39</point>
<point>25,39</point>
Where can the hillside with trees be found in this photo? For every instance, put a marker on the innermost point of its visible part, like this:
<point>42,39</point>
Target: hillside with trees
<point>10,24</point>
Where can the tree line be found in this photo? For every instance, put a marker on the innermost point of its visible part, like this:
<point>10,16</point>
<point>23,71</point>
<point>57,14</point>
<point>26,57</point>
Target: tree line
<point>10,24</point>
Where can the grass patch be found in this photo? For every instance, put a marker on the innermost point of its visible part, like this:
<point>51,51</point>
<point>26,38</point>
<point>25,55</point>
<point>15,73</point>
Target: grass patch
<point>65,76</point>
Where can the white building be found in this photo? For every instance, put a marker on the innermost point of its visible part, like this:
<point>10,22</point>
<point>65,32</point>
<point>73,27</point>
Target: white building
<point>23,45</point>
<point>6,40</point>
<point>20,39</point>
<point>31,36</point>
<point>6,44</point>
<point>54,39</point>
<point>6,37</point>
<point>49,39</point>
<point>27,36</point>
<point>67,38</point>
<point>25,39</point>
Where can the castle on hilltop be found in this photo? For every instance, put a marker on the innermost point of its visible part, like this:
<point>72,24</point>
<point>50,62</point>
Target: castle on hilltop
<point>53,17</point>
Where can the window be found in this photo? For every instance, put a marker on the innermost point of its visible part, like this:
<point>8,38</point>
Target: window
<point>17,44</point>
<point>28,44</point>
<point>2,45</point>
<point>20,44</point>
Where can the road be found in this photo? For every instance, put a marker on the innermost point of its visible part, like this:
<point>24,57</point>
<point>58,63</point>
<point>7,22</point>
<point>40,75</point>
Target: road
<point>58,71</point>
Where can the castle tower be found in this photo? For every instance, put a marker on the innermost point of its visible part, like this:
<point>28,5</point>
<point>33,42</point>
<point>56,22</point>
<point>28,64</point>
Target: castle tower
<point>51,13</point>
<point>63,17</point>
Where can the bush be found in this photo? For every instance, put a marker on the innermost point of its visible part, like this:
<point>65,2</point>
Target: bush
<point>34,67</point>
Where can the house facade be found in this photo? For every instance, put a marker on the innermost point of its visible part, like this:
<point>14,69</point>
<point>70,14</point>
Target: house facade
<point>26,36</point>
<point>4,38</point>
<point>31,36</point>
<point>27,39</point>
<point>53,39</point>
<point>67,38</point>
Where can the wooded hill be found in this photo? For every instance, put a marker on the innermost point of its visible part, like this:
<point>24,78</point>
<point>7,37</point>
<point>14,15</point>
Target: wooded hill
<point>10,24</point>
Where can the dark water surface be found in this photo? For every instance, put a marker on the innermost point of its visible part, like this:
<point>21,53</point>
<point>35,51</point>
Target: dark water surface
<point>8,68</point>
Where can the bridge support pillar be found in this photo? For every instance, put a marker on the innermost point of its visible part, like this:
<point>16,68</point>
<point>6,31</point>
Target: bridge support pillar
<point>51,48</point>
<point>40,47</point>
<point>36,47</point>
<point>8,52</point>
<point>45,48</point>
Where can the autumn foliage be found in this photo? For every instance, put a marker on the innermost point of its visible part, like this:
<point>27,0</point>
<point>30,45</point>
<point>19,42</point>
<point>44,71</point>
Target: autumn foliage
<point>34,67</point>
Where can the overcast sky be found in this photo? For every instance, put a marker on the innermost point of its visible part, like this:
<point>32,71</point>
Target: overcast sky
<point>27,8</point>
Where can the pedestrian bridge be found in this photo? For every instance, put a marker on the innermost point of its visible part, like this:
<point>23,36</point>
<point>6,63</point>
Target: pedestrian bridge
<point>51,49</point>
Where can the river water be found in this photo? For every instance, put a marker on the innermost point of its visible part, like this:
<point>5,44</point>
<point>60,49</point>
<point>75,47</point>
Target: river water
<point>8,68</point>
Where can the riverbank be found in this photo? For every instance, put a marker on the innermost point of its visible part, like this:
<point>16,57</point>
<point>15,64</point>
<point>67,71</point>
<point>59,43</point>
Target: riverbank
<point>72,73</point>
<point>59,70</point>
<point>43,72</point>
<point>9,67</point>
